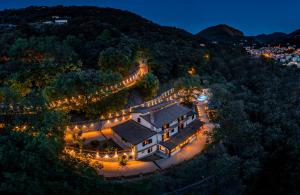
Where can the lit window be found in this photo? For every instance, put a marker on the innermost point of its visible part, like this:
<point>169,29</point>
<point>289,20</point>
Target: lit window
<point>146,142</point>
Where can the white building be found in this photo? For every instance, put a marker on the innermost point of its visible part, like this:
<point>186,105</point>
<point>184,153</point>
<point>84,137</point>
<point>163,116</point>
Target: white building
<point>163,130</point>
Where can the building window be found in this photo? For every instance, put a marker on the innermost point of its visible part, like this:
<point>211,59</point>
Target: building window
<point>193,116</point>
<point>146,142</point>
<point>149,150</point>
<point>172,131</point>
<point>139,120</point>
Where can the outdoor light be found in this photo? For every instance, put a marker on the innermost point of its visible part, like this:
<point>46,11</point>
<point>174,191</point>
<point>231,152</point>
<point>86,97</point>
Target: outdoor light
<point>116,155</point>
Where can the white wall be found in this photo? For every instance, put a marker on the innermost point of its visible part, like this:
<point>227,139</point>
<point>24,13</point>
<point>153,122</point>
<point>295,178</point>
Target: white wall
<point>145,153</point>
<point>140,146</point>
<point>159,137</point>
<point>143,122</point>
<point>189,119</point>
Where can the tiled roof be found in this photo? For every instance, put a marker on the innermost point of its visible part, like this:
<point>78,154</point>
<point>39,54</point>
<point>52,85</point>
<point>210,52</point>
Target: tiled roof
<point>133,132</point>
<point>182,135</point>
<point>166,114</point>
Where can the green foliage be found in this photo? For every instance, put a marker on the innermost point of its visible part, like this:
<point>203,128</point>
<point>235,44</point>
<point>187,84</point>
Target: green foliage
<point>33,160</point>
<point>188,82</point>
<point>36,61</point>
<point>109,104</point>
<point>148,86</point>
<point>49,47</point>
<point>115,60</point>
<point>8,95</point>
<point>80,83</point>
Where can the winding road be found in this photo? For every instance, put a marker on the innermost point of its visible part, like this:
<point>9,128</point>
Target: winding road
<point>69,103</point>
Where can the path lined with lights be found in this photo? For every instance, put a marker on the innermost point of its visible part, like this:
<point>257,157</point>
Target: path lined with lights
<point>80,100</point>
<point>77,101</point>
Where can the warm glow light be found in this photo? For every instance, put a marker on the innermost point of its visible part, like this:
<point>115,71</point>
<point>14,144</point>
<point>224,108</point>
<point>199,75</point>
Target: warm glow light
<point>206,56</point>
<point>192,71</point>
<point>267,55</point>
<point>116,155</point>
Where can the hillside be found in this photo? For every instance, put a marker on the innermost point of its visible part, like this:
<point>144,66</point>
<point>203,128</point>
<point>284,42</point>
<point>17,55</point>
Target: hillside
<point>294,38</point>
<point>279,38</point>
<point>254,149</point>
<point>270,38</point>
<point>221,33</point>
<point>125,31</point>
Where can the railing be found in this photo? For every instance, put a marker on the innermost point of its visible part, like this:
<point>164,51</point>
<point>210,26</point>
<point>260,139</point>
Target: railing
<point>109,156</point>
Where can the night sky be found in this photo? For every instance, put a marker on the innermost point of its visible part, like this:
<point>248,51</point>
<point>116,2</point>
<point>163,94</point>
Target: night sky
<point>251,16</point>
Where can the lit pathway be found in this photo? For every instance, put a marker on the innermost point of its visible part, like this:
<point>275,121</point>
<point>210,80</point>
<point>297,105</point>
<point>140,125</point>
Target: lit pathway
<point>113,169</point>
<point>69,103</point>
